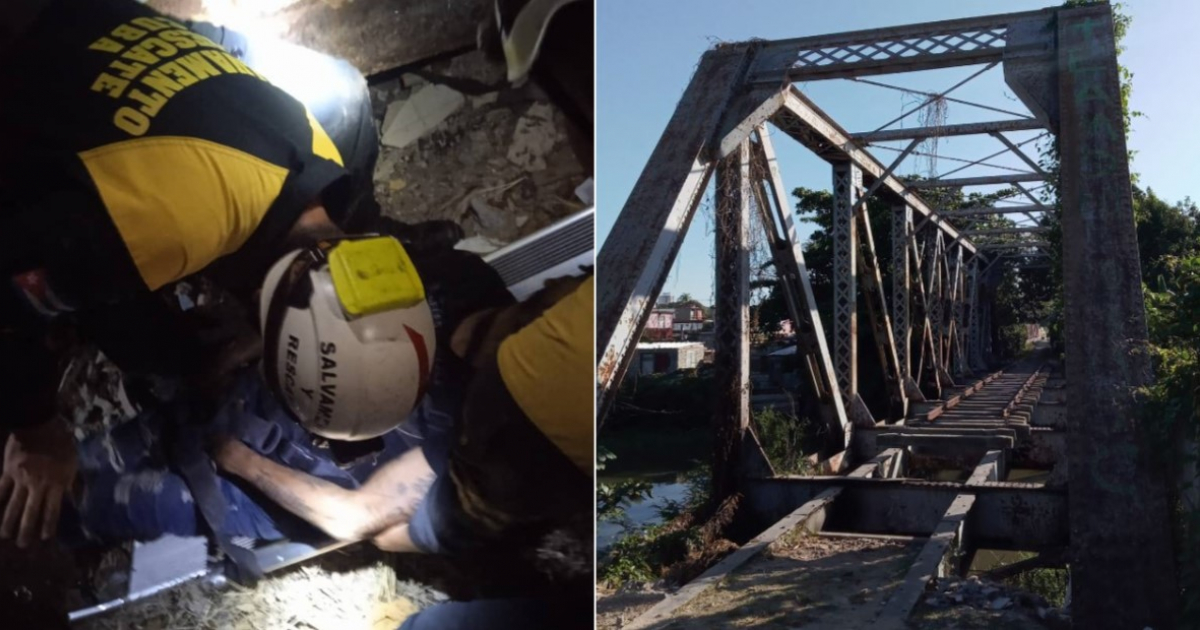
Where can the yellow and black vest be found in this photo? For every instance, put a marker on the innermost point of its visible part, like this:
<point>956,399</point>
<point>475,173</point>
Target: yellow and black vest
<point>169,151</point>
<point>523,457</point>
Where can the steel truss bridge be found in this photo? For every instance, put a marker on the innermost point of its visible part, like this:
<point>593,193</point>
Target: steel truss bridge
<point>933,329</point>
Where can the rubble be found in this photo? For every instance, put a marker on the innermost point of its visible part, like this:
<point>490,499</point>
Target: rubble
<point>975,593</point>
<point>533,138</point>
<point>480,245</point>
<point>411,119</point>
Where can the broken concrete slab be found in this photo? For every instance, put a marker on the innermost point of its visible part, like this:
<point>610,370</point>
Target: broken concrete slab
<point>493,220</point>
<point>534,138</point>
<point>412,119</point>
<point>480,245</point>
<point>484,100</point>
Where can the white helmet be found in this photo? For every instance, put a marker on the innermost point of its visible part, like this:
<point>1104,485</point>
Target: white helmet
<point>348,336</point>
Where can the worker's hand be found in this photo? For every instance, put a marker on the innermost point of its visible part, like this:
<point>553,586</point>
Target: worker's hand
<point>39,468</point>
<point>231,455</point>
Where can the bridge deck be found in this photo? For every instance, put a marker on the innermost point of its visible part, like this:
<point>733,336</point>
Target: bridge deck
<point>860,550</point>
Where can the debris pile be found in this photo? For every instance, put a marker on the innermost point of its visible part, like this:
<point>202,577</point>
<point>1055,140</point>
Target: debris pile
<point>994,597</point>
<point>494,159</point>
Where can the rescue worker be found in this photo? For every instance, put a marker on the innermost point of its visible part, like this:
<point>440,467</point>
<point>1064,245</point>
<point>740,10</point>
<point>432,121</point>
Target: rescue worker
<point>139,153</point>
<point>517,473</point>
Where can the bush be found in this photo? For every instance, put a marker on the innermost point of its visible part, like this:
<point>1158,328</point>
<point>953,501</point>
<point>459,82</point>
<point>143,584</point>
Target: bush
<point>1050,583</point>
<point>785,439</point>
<point>680,399</point>
<point>612,498</point>
<point>645,553</point>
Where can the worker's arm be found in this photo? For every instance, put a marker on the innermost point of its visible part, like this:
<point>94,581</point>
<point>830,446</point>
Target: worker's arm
<point>385,502</point>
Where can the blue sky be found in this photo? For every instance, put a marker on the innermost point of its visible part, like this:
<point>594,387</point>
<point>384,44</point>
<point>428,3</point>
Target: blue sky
<point>647,51</point>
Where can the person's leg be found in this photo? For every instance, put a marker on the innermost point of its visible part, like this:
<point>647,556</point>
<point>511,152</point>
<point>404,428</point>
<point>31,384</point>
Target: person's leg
<point>147,504</point>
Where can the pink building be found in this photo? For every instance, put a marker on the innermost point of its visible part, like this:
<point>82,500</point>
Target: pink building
<point>660,325</point>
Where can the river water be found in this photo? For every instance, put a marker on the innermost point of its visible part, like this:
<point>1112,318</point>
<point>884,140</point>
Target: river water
<point>640,513</point>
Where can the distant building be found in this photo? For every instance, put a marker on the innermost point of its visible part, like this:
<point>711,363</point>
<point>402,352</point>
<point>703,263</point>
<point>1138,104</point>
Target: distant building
<point>689,312</point>
<point>664,299</point>
<point>690,320</point>
<point>661,325</point>
<point>663,357</point>
<point>687,329</point>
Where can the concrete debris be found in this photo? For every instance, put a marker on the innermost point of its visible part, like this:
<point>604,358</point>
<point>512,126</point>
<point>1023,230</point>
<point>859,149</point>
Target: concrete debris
<point>484,100</point>
<point>491,218</point>
<point>410,120</point>
<point>396,184</point>
<point>480,245</point>
<point>586,192</point>
<point>988,596</point>
<point>534,137</point>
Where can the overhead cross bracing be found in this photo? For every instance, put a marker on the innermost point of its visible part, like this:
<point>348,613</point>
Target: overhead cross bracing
<point>932,329</point>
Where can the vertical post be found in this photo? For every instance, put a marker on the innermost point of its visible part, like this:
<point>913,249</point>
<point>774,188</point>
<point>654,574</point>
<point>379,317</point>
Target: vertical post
<point>973,314</point>
<point>847,187</point>
<point>775,213</point>
<point>959,357</point>
<point>881,321</point>
<point>937,321</point>
<point>901,232</point>
<point>921,315</point>
<point>639,251</point>
<point>847,180</point>
<point>1123,574</point>
<point>731,405</point>
<point>986,331</point>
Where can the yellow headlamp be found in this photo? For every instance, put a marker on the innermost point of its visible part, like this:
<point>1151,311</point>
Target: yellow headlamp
<point>373,275</point>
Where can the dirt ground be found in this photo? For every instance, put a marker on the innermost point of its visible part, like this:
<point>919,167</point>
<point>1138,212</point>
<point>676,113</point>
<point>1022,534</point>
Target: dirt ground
<point>353,589</point>
<point>617,608</point>
<point>805,581</point>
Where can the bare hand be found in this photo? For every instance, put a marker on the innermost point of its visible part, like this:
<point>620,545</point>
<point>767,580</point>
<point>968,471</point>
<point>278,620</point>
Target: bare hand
<point>39,468</point>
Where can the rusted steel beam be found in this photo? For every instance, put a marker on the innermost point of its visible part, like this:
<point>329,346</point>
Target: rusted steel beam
<point>901,287</point>
<point>881,323</point>
<point>847,186</point>
<point>1006,515</point>
<point>1123,566</point>
<point>1013,245</point>
<point>1020,124</point>
<point>971,212</point>
<point>731,319</point>
<point>1010,230</point>
<point>639,250</point>
<point>792,273</point>
<point>985,180</point>
<point>801,119</point>
<point>944,541</point>
<point>905,48</point>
